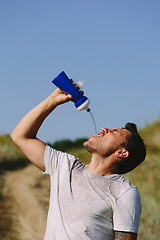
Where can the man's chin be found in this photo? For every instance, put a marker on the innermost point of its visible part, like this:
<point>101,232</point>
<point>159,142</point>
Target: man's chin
<point>87,146</point>
<point>85,143</point>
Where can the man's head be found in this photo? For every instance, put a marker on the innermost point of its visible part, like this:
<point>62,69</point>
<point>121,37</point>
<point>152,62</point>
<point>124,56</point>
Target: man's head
<point>136,148</point>
<point>124,145</point>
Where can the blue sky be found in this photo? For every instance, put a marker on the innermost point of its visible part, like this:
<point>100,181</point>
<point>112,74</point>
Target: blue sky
<point>113,45</point>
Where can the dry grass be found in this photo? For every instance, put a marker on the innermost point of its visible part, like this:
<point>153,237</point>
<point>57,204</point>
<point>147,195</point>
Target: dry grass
<point>7,231</point>
<point>27,196</point>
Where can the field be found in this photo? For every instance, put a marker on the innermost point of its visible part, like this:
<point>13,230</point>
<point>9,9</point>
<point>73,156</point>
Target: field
<point>24,191</point>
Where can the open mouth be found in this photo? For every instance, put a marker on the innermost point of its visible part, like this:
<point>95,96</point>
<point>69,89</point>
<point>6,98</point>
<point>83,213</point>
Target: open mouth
<point>101,134</point>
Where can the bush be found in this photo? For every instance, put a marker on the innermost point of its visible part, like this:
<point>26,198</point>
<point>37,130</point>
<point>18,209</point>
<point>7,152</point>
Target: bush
<point>67,144</point>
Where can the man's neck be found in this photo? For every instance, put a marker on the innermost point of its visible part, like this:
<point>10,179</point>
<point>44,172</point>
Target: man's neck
<point>101,166</point>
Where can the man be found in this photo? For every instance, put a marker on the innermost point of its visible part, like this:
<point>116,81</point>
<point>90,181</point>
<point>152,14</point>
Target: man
<point>86,202</point>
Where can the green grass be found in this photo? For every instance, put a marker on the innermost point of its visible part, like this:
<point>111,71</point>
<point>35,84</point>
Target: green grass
<point>151,135</point>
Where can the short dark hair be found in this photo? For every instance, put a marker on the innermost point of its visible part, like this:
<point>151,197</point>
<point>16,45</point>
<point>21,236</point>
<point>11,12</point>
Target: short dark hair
<point>136,148</point>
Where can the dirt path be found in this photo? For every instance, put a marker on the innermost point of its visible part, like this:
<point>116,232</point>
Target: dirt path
<point>28,192</point>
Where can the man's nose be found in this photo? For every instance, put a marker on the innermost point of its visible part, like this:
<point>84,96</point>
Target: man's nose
<point>104,130</point>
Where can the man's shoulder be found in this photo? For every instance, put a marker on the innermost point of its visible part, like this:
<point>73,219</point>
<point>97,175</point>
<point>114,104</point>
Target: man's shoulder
<point>62,157</point>
<point>120,186</point>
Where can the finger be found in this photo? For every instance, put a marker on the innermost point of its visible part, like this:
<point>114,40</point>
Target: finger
<point>74,84</point>
<point>71,80</point>
<point>82,92</point>
<point>69,96</point>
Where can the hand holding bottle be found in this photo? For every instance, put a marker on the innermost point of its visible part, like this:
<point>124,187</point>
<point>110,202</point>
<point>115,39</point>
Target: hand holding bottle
<point>65,84</point>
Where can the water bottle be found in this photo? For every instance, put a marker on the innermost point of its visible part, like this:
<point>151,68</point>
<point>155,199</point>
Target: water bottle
<point>64,83</point>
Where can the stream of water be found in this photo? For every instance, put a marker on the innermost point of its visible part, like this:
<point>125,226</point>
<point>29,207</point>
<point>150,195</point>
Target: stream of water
<point>95,127</point>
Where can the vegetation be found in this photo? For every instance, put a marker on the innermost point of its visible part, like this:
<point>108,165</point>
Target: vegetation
<point>151,134</point>
<point>146,177</point>
<point>11,157</point>
<point>67,144</point>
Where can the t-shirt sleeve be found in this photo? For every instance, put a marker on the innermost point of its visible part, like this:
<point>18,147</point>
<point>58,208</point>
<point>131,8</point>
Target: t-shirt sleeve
<point>53,159</point>
<point>127,211</point>
<point>50,159</point>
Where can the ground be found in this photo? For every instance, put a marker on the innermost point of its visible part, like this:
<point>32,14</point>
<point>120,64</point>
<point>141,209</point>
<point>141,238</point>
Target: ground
<point>28,190</point>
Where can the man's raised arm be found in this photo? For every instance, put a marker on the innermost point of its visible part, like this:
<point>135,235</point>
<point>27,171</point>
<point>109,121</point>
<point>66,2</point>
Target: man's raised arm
<point>24,135</point>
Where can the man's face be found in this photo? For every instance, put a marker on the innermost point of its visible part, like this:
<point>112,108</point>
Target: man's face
<point>107,141</point>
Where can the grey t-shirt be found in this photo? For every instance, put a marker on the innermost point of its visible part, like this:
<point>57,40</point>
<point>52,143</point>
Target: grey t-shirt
<point>86,206</point>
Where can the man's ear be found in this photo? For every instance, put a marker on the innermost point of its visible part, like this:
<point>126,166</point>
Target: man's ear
<point>122,153</point>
